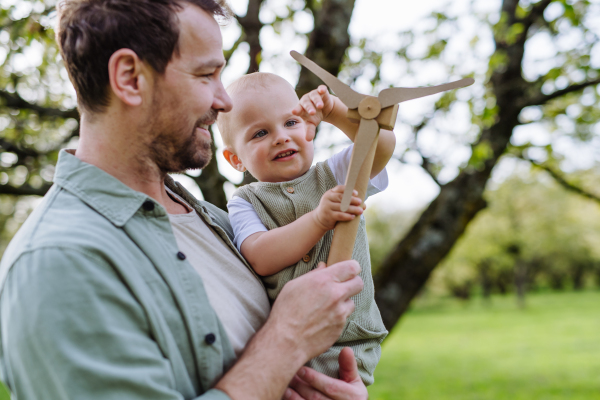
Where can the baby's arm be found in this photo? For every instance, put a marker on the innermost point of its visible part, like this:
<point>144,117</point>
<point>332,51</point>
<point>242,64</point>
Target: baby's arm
<point>270,252</point>
<point>318,105</point>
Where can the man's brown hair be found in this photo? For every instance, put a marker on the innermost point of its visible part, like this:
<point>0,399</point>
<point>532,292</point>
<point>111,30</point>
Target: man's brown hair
<point>90,31</point>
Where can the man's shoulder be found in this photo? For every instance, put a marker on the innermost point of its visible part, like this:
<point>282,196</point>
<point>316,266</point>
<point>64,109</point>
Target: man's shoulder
<point>61,221</point>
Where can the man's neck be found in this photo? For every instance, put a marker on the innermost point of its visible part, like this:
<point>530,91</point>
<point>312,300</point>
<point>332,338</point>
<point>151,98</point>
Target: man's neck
<point>119,149</point>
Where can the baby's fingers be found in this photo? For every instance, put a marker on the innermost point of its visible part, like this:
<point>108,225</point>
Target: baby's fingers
<point>340,189</point>
<point>355,210</point>
<point>355,201</point>
<point>343,216</point>
<point>316,99</point>
<point>308,105</point>
<point>298,110</point>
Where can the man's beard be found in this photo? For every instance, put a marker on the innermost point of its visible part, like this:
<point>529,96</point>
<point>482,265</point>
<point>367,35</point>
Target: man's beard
<point>178,150</point>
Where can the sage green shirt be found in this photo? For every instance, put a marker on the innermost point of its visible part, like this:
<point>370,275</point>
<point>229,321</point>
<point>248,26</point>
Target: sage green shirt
<point>97,302</point>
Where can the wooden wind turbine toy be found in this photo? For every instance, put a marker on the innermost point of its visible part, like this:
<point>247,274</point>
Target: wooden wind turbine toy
<point>372,113</point>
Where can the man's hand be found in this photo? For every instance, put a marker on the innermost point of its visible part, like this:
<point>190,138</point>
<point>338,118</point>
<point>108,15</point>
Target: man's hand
<point>314,107</point>
<point>310,384</point>
<point>321,303</point>
<point>306,319</point>
<point>329,212</point>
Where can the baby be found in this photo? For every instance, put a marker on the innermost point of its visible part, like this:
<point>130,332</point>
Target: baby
<point>284,223</point>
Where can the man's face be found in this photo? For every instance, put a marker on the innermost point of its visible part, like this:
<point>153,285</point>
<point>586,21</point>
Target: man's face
<point>189,95</point>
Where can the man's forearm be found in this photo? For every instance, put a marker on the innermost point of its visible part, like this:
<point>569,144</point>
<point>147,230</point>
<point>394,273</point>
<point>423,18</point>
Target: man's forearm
<point>266,367</point>
<point>307,318</point>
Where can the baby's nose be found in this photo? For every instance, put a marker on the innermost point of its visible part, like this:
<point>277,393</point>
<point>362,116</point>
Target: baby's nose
<point>281,138</point>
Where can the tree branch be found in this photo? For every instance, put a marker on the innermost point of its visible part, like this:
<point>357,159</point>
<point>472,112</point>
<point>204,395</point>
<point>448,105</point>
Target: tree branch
<point>328,41</point>
<point>536,12</point>
<point>251,26</point>
<point>427,166</point>
<point>18,150</point>
<point>13,100</point>
<point>25,190</point>
<point>229,53</point>
<point>540,98</point>
<point>561,180</point>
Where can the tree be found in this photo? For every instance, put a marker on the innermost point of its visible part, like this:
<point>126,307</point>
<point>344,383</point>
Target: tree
<point>532,230</point>
<point>509,99</point>
<point>37,114</point>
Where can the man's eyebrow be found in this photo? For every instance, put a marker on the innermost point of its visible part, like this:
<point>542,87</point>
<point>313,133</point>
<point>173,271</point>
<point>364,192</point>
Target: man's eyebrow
<point>210,64</point>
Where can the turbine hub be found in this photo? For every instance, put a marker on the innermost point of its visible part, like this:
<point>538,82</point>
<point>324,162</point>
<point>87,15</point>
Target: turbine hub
<point>369,107</point>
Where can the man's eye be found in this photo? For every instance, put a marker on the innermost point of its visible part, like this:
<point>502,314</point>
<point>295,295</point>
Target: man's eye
<point>260,133</point>
<point>291,122</point>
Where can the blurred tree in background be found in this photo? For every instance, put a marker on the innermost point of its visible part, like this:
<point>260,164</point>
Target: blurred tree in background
<point>459,141</point>
<point>532,230</point>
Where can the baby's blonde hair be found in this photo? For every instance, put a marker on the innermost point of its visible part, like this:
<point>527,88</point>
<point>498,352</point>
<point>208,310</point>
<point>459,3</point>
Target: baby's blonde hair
<point>255,81</point>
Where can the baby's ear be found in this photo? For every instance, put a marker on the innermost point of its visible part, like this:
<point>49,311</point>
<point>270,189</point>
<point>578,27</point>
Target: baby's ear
<point>233,159</point>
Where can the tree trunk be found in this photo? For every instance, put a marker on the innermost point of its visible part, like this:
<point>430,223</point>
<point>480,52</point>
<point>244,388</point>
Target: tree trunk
<point>485,279</point>
<point>328,41</point>
<point>251,26</point>
<point>520,275</point>
<point>210,181</point>
<point>521,281</point>
<point>406,270</point>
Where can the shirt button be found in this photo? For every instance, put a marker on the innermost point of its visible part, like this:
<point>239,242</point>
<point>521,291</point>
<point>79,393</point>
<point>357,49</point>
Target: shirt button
<point>306,258</point>
<point>290,190</point>
<point>210,338</point>
<point>148,205</point>
<point>180,255</point>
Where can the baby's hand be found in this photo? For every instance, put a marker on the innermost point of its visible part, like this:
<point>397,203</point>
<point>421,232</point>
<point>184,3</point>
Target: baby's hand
<point>329,210</point>
<point>314,107</point>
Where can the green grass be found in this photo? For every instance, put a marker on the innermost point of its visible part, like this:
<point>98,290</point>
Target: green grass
<point>445,350</point>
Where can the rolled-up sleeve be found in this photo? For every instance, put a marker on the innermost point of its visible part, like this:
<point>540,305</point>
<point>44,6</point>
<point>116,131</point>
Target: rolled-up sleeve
<point>71,329</point>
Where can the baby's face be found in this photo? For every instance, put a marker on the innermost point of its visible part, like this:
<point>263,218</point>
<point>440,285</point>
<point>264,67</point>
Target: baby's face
<point>269,140</point>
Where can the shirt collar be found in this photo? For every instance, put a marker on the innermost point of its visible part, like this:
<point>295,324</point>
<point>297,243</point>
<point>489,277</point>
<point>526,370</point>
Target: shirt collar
<point>101,191</point>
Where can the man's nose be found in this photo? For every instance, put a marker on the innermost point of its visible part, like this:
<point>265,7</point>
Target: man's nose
<point>222,101</point>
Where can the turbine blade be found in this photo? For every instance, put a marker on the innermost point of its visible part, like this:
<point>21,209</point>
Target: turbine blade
<point>367,132</point>
<point>389,97</point>
<point>348,96</point>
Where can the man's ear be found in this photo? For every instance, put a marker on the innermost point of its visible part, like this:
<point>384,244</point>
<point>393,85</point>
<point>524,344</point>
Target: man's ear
<point>233,159</point>
<point>126,78</point>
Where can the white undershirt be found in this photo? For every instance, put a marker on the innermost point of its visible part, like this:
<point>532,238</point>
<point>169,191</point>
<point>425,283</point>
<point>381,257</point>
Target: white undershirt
<point>236,294</point>
<point>245,221</point>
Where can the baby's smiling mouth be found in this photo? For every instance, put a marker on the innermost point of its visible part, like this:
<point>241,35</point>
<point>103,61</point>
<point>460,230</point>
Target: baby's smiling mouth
<point>285,154</point>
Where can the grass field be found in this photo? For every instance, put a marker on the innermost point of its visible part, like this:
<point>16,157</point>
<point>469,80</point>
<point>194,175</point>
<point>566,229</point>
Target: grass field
<point>445,350</point>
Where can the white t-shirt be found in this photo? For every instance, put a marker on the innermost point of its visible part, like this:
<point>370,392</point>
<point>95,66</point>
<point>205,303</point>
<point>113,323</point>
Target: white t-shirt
<point>245,221</point>
<point>236,294</point>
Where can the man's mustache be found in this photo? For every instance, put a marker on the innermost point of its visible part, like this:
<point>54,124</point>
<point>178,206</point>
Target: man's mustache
<point>209,117</point>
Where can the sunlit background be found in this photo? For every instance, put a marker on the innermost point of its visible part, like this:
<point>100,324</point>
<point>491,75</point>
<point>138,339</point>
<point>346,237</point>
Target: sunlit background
<point>512,311</point>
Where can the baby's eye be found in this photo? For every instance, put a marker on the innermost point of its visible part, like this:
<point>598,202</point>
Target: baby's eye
<point>260,133</point>
<point>291,122</point>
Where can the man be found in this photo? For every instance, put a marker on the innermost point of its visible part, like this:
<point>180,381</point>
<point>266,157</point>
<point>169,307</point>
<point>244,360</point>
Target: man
<point>99,298</point>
